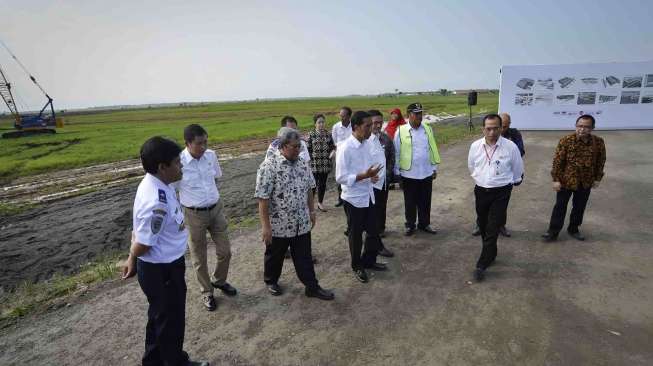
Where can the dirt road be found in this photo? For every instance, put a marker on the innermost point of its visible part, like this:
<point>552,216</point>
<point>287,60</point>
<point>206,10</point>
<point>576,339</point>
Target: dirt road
<point>567,303</point>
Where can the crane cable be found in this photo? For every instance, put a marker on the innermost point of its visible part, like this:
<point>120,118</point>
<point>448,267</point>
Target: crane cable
<point>24,69</point>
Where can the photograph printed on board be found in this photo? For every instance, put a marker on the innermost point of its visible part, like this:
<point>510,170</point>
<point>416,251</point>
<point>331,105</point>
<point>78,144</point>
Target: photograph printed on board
<point>566,82</point>
<point>608,99</point>
<point>629,97</point>
<point>586,98</point>
<point>524,99</point>
<point>525,83</point>
<point>647,98</point>
<point>649,81</point>
<point>633,82</point>
<point>611,81</point>
<point>565,99</point>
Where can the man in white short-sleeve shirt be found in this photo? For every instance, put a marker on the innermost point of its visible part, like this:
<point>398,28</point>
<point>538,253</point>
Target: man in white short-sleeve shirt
<point>339,133</point>
<point>204,212</point>
<point>157,254</point>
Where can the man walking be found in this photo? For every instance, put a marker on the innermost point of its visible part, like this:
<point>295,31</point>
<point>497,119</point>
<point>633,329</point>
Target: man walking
<point>204,212</point>
<point>513,135</point>
<point>383,154</point>
<point>417,160</point>
<point>157,250</point>
<point>357,173</point>
<point>339,133</point>
<point>495,164</point>
<point>577,168</point>
<point>284,188</point>
<point>290,122</point>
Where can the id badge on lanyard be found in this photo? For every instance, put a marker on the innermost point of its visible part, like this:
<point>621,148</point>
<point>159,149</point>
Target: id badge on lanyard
<point>496,167</point>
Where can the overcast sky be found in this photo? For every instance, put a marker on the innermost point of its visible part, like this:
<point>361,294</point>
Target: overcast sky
<point>96,53</point>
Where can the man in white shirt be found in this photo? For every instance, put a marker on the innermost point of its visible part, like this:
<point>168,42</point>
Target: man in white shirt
<point>417,159</point>
<point>357,173</point>
<point>290,122</point>
<point>157,254</point>
<point>383,154</point>
<point>339,133</point>
<point>496,165</point>
<point>204,211</point>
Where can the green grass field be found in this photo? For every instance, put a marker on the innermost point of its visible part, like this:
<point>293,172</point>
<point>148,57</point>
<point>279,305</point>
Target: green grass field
<point>89,139</point>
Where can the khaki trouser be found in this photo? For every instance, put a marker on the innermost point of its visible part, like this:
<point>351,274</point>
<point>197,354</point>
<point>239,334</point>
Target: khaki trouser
<point>213,221</point>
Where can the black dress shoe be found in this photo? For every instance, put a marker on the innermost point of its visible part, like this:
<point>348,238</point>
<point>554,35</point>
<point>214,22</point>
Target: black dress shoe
<point>409,231</point>
<point>505,232</point>
<point>320,293</point>
<point>209,302</point>
<point>275,289</point>
<point>385,252</point>
<point>361,275</point>
<point>479,275</point>
<point>576,235</point>
<point>428,229</point>
<point>476,231</point>
<point>549,237</point>
<point>226,289</point>
<point>377,267</point>
<point>339,203</point>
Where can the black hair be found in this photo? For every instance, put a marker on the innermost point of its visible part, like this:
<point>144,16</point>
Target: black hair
<point>192,131</point>
<point>374,113</point>
<point>492,116</point>
<point>158,150</point>
<point>286,119</point>
<point>358,117</point>
<point>347,109</point>
<point>318,116</point>
<point>587,116</point>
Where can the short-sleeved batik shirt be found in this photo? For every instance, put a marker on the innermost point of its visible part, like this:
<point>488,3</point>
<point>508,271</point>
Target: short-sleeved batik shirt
<point>286,184</point>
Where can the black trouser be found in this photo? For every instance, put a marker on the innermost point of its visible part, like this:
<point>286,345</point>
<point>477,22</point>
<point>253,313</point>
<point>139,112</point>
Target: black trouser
<point>320,185</point>
<point>381,199</point>
<point>361,219</point>
<point>164,286</point>
<point>417,201</point>
<point>300,250</point>
<point>491,207</point>
<point>581,196</point>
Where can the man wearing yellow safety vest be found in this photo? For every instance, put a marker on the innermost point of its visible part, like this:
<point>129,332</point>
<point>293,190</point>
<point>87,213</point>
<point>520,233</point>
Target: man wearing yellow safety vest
<point>417,159</point>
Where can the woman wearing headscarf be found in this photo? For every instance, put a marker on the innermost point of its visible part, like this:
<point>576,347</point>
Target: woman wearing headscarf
<point>396,120</point>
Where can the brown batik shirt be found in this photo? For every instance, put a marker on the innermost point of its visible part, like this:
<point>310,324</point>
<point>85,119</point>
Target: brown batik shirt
<point>577,164</point>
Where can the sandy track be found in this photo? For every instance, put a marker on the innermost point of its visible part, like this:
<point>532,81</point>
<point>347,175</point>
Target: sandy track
<point>568,303</point>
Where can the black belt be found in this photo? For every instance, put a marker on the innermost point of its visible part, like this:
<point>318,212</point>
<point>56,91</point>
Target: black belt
<point>493,189</point>
<point>208,208</point>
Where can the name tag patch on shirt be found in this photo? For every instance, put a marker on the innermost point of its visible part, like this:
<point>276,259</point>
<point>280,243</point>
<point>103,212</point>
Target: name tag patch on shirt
<point>162,196</point>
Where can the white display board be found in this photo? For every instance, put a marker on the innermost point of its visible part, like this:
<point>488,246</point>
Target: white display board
<point>551,97</point>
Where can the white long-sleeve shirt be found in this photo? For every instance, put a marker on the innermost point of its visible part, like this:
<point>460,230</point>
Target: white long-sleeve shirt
<point>352,158</point>
<point>495,166</point>
<point>378,158</point>
<point>420,166</point>
<point>340,133</point>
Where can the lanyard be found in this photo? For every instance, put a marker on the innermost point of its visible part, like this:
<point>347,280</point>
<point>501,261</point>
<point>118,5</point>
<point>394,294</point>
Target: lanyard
<point>488,156</point>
